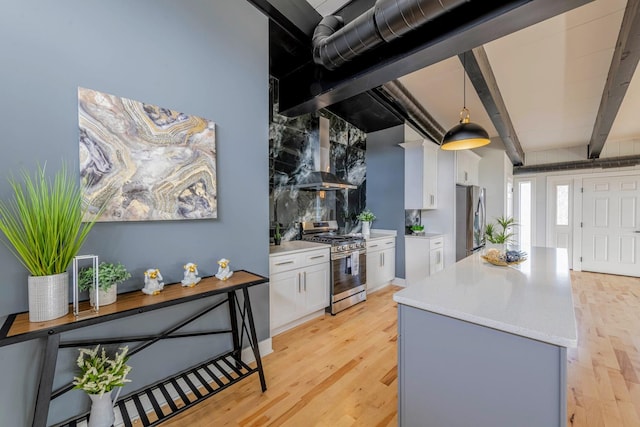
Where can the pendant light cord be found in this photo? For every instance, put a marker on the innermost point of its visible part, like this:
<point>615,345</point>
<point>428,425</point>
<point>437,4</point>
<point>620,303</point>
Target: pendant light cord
<point>464,80</point>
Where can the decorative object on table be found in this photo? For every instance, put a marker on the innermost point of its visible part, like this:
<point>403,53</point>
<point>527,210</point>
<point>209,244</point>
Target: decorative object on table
<point>224,272</point>
<point>91,280</point>
<point>44,229</point>
<point>277,237</point>
<point>108,276</point>
<point>190,275</point>
<point>511,257</point>
<point>417,229</point>
<point>138,148</point>
<point>366,217</point>
<point>153,283</point>
<point>99,376</point>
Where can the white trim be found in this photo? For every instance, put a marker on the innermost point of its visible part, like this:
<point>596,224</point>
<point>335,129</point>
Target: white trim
<point>399,282</point>
<point>516,204</point>
<point>382,286</point>
<point>296,322</point>
<point>577,220</point>
<point>264,347</point>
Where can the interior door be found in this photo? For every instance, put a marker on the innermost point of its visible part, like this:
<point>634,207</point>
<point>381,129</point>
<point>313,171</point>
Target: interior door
<point>611,225</point>
<point>559,214</point>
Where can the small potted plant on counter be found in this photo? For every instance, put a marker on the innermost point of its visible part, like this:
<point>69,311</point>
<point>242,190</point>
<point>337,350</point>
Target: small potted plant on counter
<point>109,275</point>
<point>366,217</point>
<point>417,229</point>
<point>500,233</point>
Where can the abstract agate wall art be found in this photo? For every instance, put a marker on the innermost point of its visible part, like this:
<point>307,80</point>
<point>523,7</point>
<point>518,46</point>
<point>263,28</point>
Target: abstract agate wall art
<point>150,162</point>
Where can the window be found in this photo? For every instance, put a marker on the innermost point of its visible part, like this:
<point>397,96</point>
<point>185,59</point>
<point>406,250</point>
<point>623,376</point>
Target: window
<point>562,204</point>
<point>524,208</point>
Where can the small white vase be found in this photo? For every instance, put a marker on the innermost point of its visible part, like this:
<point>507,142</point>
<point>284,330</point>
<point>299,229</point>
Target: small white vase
<point>105,297</point>
<point>366,228</point>
<point>101,414</point>
<point>48,297</point>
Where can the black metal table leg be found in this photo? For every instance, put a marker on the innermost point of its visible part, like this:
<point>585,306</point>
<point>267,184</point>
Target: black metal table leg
<point>254,338</point>
<point>237,347</point>
<point>45,386</point>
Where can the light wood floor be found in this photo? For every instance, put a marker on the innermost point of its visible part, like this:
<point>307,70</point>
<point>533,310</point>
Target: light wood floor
<point>341,371</point>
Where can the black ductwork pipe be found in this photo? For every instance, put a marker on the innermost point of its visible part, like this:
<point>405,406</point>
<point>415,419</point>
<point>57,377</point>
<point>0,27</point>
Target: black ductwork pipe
<point>415,110</point>
<point>387,20</point>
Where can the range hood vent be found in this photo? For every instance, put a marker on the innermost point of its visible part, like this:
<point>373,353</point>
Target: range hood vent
<point>321,179</point>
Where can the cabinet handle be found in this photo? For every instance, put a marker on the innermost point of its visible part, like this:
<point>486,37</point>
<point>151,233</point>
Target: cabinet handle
<point>433,199</point>
<point>317,256</point>
<point>381,259</point>
<point>438,262</point>
<point>299,280</point>
<point>389,243</point>
<point>305,281</point>
<point>373,246</point>
<point>284,263</point>
<point>465,176</point>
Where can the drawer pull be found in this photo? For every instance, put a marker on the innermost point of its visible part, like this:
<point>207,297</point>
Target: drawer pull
<point>437,243</point>
<point>284,263</point>
<point>373,246</point>
<point>389,243</point>
<point>317,256</point>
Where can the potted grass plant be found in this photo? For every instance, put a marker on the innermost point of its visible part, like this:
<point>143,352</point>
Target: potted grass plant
<point>366,217</point>
<point>501,233</point>
<point>109,275</point>
<point>44,229</point>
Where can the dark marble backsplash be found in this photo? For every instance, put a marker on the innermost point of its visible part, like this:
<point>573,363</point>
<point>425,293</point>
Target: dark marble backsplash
<point>291,158</point>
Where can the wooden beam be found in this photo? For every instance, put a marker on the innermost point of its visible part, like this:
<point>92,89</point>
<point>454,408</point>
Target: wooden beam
<point>623,65</point>
<point>311,87</point>
<point>479,70</point>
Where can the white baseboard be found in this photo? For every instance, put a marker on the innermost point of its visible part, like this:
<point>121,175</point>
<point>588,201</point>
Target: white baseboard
<point>297,322</point>
<point>399,282</point>
<point>372,290</point>
<point>264,347</point>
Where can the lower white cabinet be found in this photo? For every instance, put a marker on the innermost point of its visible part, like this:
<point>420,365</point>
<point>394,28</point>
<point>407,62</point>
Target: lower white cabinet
<point>424,256</point>
<point>299,289</point>
<point>381,262</point>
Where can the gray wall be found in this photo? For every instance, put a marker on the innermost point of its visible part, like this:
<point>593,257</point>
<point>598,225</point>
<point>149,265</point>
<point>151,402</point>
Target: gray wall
<point>203,57</point>
<point>385,185</point>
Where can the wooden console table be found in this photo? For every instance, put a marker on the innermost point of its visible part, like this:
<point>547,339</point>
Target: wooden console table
<point>201,382</point>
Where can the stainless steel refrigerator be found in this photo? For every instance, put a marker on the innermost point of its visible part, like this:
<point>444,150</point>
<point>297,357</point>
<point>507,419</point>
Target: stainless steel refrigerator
<point>470,220</point>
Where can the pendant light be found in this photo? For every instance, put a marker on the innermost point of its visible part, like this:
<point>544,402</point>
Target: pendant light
<point>464,135</point>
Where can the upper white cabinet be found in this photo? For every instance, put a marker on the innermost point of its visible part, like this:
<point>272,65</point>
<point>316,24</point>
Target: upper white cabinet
<point>467,167</point>
<point>420,174</point>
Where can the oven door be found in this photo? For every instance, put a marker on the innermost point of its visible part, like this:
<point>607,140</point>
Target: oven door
<point>349,271</point>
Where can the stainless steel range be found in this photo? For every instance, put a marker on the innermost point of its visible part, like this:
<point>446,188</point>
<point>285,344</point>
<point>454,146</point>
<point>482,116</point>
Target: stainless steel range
<point>348,263</point>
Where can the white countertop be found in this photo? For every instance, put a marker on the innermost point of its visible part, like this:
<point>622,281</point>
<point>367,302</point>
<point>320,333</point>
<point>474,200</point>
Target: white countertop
<point>532,299</point>
<point>424,236</point>
<point>377,234</point>
<point>294,246</point>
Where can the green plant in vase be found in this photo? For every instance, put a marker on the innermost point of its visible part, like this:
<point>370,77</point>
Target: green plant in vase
<point>366,217</point>
<point>277,237</point>
<point>44,229</point>
<point>109,276</point>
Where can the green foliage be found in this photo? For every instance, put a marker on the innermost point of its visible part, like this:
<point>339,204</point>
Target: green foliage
<point>43,222</point>
<point>100,374</point>
<point>108,275</point>
<point>417,227</point>
<point>505,234</point>
<point>366,216</point>
<point>276,232</point>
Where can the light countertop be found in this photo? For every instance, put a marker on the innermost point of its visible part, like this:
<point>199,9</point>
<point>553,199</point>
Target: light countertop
<point>424,236</point>
<point>295,246</point>
<point>377,234</point>
<point>532,299</point>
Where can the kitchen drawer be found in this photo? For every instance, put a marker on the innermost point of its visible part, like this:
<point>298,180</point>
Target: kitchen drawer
<point>286,262</point>
<point>436,243</point>
<point>380,244</point>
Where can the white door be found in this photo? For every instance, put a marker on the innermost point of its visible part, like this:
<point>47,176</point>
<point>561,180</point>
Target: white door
<point>611,225</point>
<point>559,214</point>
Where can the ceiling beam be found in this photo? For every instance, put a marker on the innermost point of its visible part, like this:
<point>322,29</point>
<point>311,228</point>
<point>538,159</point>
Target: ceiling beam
<point>602,163</point>
<point>295,18</point>
<point>312,87</point>
<point>478,68</point>
<point>624,63</point>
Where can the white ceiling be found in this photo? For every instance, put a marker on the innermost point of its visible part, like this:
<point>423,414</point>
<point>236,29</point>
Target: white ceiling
<point>551,76</point>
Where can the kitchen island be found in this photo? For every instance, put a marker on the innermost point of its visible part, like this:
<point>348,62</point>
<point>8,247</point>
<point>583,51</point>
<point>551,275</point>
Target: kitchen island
<point>482,345</point>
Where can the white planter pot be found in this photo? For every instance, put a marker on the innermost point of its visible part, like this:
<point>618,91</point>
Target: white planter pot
<point>104,297</point>
<point>366,228</point>
<point>101,414</point>
<point>48,297</point>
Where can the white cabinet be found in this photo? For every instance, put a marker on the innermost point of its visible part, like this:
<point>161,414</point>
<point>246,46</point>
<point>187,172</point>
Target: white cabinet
<point>381,262</point>
<point>467,167</point>
<point>424,256</point>
<point>420,174</point>
<point>298,287</point>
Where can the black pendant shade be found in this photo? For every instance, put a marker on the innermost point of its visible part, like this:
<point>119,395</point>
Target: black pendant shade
<point>465,135</point>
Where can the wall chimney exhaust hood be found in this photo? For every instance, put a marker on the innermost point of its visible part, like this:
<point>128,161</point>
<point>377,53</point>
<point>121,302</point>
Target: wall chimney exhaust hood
<point>321,179</point>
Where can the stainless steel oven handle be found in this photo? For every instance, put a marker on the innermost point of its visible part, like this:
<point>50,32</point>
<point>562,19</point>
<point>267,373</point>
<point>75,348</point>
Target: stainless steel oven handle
<point>346,254</point>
